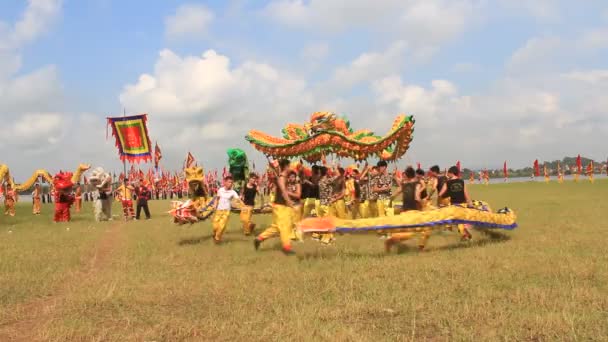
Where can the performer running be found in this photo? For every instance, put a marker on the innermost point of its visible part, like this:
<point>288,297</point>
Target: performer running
<point>282,213</point>
<point>437,182</point>
<point>10,198</point>
<point>36,197</point>
<point>412,191</point>
<point>457,193</point>
<point>248,195</point>
<point>294,191</point>
<point>424,197</point>
<point>310,192</point>
<point>223,206</point>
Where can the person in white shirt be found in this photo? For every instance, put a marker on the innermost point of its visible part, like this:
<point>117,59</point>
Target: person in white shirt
<point>223,205</point>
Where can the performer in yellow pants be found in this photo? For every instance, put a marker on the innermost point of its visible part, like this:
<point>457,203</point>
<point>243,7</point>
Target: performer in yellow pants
<point>248,195</point>
<point>220,221</point>
<point>282,213</point>
<point>282,225</point>
<point>245,216</point>
<point>225,195</point>
<point>10,197</point>
<point>36,200</point>
<point>413,195</point>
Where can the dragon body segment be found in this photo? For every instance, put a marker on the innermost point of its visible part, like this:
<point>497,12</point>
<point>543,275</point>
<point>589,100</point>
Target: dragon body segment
<point>326,133</point>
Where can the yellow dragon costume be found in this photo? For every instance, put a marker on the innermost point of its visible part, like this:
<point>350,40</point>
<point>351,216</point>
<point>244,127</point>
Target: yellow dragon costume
<point>198,207</point>
<point>327,134</point>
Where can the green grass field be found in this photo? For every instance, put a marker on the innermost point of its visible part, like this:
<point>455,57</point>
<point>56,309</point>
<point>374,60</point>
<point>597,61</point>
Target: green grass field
<point>153,281</point>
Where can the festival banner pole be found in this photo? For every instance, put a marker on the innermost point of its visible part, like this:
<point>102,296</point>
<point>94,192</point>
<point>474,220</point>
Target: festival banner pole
<point>124,166</point>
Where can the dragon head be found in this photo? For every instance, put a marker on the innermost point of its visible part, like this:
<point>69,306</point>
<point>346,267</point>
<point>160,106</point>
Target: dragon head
<point>63,181</point>
<point>194,174</point>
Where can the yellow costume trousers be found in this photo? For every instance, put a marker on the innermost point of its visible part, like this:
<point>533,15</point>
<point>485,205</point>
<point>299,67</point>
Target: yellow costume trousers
<point>36,208</point>
<point>282,225</point>
<point>9,207</point>
<point>220,221</point>
<point>372,208</point>
<point>364,209</point>
<point>297,217</point>
<point>324,211</point>
<point>338,209</point>
<point>384,208</point>
<point>246,213</point>
<point>355,209</point>
<point>308,206</point>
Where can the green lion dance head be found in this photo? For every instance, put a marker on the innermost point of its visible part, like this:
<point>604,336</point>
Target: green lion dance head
<point>239,167</point>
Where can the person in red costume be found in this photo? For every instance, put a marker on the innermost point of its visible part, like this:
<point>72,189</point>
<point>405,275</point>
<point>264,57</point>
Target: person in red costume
<point>64,198</point>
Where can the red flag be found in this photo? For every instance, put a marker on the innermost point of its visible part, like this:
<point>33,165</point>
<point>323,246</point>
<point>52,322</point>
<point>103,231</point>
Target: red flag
<point>536,168</point>
<point>157,155</point>
<point>458,166</point>
<point>132,140</point>
<point>505,170</point>
<point>579,164</point>
<point>418,165</point>
<point>189,160</point>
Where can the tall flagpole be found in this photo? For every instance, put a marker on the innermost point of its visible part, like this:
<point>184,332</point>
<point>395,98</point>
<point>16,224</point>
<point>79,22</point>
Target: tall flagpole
<point>124,168</point>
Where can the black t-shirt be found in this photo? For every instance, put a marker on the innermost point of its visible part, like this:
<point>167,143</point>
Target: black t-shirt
<point>456,191</point>
<point>306,190</point>
<point>409,196</point>
<point>440,181</point>
<point>249,195</point>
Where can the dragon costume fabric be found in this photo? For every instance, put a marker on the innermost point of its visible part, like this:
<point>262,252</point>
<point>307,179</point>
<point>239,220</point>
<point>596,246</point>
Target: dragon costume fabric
<point>5,176</point>
<point>326,133</point>
<point>422,223</point>
<point>64,198</point>
<point>102,181</point>
<point>197,207</point>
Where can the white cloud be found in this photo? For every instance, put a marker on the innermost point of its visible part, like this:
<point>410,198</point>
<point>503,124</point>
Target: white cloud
<point>535,55</point>
<point>466,67</point>
<point>589,76</point>
<point>423,24</point>
<point>540,9</point>
<point>204,103</point>
<point>189,20</point>
<point>369,66</point>
<point>316,51</point>
<point>29,102</point>
<point>33,131</point>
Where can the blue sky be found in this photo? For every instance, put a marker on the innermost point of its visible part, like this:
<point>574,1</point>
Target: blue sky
<point>487,80</point>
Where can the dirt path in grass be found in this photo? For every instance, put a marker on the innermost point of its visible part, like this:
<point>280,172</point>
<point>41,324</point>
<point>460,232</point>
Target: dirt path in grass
<point>32,316</point>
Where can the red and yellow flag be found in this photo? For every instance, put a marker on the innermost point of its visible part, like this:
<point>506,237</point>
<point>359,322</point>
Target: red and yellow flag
<point>132,138</point>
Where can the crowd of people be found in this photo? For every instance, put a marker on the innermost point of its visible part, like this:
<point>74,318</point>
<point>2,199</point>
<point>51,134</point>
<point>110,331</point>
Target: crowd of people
<point>297,193</point>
